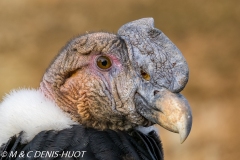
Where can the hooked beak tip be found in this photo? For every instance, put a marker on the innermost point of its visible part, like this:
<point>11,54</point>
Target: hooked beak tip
<point>184,131</point>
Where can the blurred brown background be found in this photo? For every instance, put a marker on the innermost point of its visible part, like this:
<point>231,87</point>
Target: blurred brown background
<point>207,32</point>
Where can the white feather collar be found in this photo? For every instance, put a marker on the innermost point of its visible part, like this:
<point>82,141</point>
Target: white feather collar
<point>30,111</point>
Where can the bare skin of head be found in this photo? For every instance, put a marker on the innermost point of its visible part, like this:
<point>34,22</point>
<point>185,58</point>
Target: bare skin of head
<point>95,97</point>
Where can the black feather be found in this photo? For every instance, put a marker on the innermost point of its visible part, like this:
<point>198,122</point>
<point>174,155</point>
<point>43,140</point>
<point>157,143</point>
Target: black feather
<point>99,145</point>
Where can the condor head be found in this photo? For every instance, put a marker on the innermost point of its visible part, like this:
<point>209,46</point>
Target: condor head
<point>121,81</point>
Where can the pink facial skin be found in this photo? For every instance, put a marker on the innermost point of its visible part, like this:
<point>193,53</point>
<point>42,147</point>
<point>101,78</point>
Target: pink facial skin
<point>104,74</point>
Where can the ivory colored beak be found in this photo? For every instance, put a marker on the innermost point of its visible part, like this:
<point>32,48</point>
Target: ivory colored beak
<point>174,113</point>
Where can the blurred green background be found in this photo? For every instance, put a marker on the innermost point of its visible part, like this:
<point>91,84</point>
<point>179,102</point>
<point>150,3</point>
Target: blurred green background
<point>207,33</point>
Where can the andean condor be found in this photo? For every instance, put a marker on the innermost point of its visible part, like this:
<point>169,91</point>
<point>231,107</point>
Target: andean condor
<point>99,98</point>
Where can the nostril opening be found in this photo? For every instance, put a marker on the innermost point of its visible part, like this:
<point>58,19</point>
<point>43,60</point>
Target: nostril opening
<point>155,92</point>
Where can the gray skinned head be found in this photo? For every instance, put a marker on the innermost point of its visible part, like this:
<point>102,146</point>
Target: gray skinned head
<point>151,50</point>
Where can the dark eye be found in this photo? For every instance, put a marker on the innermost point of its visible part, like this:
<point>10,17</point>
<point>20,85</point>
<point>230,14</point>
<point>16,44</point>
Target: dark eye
<point>104,62</point>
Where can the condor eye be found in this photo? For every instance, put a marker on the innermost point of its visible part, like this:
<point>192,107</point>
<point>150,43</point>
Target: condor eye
<point>104,62</point>
<point>145,75</point>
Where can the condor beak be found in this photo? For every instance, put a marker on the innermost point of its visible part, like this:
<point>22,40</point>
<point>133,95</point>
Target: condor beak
<point>174,113</point>
<point>169,110</point>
